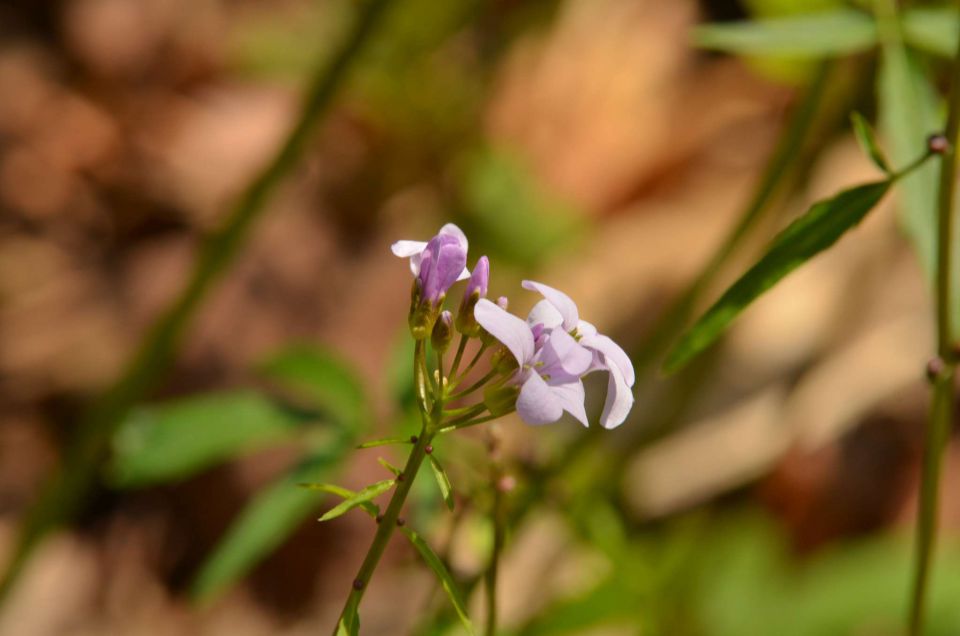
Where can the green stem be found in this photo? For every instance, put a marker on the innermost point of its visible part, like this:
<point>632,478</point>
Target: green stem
<point>473,363</point>
<point>943,368</point>
<point>498,518</point>
<point>457,358</point>
<point>476,385</point>
<point>69,487</point>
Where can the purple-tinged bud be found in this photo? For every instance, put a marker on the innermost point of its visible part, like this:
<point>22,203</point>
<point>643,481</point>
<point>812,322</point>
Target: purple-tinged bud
<point>440,265</point>
<point>442,332</point>
<point>476,289</point>
<point>502,303</point>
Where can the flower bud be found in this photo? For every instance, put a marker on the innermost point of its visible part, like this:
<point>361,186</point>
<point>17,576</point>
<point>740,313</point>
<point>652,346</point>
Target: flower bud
<point>501,400</point>
<point>503,361</point>
<point>476,289</point>
<point>440,265</point>
<point>502,303</point>
<point>442,332</point>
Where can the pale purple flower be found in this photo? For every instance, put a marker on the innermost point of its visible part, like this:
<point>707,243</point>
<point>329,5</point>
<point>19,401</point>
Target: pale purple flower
<point>479,278</point>
<point>414,249</point>
<point>558,311</point>
<point>441,263</point>
<point>549,368</point>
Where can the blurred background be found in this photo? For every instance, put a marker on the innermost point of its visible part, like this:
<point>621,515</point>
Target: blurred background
<point>611,148</point>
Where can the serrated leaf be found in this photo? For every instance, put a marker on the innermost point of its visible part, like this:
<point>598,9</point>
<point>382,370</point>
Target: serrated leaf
<point>931,29</point>
<point>370,492</point>
<point>385,441</point>
<point>446,581</point>
<point>323,379</point>
<point>446,490</point>
<point>868,141</point>
<point>393,469</point>
<point>803,239</point>
<point>262,526</point>
<point>821,34</point>
<point>174,440</point>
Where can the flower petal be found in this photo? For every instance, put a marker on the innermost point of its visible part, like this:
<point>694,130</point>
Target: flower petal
<point>411,250</point>
<point>544,313</point>
<point>537,403</point>
<point>619,400</point>
<point>571,396</point>
<point>585,328</point>
<point>451,229</point>
<point>563,303</point>
<point>613,355</point>
<point>561,352</point>
<point>507,328</point>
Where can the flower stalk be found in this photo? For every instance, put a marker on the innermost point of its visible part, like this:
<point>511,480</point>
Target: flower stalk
<point>942,369</point>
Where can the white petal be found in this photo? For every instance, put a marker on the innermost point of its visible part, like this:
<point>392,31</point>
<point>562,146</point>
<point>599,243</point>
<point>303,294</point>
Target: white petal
<point>571,398</point>
<point>562,352</point>
<point>537,403</point>
<point>405,249</point>
<point>511,331</point>
<point>585,328</point>
<point>612,353</point>
<point>464,275</point>
<point>563,303</point>
<point>544,313</point>
<point>619,400</point>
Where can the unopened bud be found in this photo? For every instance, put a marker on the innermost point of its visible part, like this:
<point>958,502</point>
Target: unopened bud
<point>501,400</point>
<point>442,332</point>
<point>502,303</point>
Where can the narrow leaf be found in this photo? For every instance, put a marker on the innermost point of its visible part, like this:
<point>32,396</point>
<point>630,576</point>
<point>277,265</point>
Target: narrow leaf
<point>385,441</point>
<point>368,506</point>
<point>827,33</point>
<point>177,439</point>
<point>868,141</point>
<point>393,469</point>
<point>931,29</point>
<point>262,526</point>
<point>803,239</point>
<point>446,490</point>
<point>364,496</point>
<point>436,564</point>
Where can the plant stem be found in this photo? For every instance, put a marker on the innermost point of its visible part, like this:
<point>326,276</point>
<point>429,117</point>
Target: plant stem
<point>458,357</point>
<point>69,487</point>
<point>943,368</point>
<point>476,385</point>
<point>490,580</point>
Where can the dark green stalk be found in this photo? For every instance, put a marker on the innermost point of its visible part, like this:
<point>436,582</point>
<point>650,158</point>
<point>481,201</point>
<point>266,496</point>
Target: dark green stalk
<point>458,357</point>
<point>778,168</point>
<point>498,515</point>
<point>67,489</point>
<point>942,368</point>
<point>476,385</point>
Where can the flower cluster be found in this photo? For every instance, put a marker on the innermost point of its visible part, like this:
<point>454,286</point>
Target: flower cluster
<point>538,370</point>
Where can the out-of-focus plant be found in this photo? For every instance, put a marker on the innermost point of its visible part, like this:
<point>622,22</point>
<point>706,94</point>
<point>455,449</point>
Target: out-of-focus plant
<point>901,92</point>
<point>535,368</point>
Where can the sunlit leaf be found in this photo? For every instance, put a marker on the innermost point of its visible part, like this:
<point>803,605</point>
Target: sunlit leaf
<point>803,239</point>
<point>446,490</point>
<point>446,581</point>
<point>262,526</point>
<point>826,33</point>
<point>173,440</point>
<point>931,29</point>
<point>393,469</point>
<point>321,378</point>
<point>385,441</point>
<point>868,141</point>
<point>370,492</point>
<point>367,506</point>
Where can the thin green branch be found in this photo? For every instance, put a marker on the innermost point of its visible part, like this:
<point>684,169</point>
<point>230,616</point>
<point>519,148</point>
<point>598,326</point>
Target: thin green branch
<point>69,487</point>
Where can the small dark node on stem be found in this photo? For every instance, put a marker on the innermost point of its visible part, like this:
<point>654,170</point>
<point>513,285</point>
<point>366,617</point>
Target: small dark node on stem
<point>357,584</point>
<point>955,352</point>
<point>938,143</point>
<point>400,477</point>
<point>401,521</point>
<point>379,518</point>
<point>935,367</point>
<point>413,439</point>
<point>428,449</point>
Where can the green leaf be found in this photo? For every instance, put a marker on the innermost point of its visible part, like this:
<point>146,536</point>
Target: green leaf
<point>446,490</point>
<point>262,526</point>
<point>393,469</point>
<point>436,564</point>
<point>803,239</point>
<point>826,33</point>
<point>370,492</point>
<point>369,507</point>
<point>385,441</point>
<point>868,141</point>
<point>173,440</point>
<point>931,29</point>
<point>908,113</point>
<point>321,378</point>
